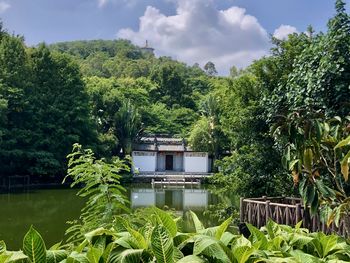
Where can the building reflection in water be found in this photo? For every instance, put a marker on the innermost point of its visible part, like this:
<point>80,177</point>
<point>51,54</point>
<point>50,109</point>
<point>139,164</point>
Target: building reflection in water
<point>179,199</point>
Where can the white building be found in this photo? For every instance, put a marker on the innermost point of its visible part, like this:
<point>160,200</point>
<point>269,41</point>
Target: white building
<point>172,155</point>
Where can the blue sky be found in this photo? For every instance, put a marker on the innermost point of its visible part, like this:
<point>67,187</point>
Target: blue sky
<point>227,32</point>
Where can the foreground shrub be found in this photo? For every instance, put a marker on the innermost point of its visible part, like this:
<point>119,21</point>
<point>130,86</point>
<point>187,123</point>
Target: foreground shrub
<point>160,240</point>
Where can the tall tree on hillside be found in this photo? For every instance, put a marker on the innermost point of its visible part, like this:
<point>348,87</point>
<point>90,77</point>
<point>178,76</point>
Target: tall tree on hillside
<point>14,83</point>
<point>59,111</point>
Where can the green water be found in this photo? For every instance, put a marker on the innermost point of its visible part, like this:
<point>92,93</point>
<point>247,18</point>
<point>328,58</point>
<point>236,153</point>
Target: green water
<point>48,210</point>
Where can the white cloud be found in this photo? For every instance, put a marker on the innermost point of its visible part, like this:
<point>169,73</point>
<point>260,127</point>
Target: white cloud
<point>283,31</point>
<point>199,32</point>
<point>4,6</point>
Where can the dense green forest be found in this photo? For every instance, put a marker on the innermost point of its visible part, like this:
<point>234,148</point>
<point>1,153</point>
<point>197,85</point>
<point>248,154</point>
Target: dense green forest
<point>103,94</point>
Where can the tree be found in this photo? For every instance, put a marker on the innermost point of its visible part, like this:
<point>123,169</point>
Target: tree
<point>206,134</point>
<point>210,69</point>
<point>15,80</point>
<point>58,112</point>
<point>127,126</point>
<point>235,72</point>
<point>321,74</point>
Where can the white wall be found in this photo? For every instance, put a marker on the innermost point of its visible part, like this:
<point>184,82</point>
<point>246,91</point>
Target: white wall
<point>144,161</point>
<point>195,162</point>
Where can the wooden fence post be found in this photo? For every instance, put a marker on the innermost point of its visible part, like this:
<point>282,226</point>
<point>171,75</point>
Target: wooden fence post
<point>297,213</point>
<point>241,210</point>
<point>267,211</point>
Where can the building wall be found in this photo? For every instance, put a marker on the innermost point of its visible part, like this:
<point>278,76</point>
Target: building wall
<point>177,161</point>
<point>144,161</point>
<point>161,162</point>
<point>196,162</point>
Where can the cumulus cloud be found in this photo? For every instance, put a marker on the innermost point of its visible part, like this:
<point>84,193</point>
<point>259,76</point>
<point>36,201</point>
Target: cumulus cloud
<point>4,6</point>
<point>283,31</point>
<point>199,32</point>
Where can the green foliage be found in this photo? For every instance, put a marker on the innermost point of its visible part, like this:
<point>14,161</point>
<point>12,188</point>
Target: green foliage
<point>44,109</point>
<point>34,246</point>
<point>253,167</point>
<point>154,243</point>
<point>101,187</point>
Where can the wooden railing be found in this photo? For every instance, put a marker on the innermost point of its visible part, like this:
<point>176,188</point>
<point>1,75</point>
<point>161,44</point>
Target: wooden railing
<point>284,210</point>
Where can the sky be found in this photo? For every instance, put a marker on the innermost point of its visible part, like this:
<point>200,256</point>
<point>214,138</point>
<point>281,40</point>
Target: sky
<point>226,32</point>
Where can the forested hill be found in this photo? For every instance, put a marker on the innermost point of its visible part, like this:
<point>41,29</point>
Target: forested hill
<point>116,58</point>
<point>103,94</point>
<point>165,93</point>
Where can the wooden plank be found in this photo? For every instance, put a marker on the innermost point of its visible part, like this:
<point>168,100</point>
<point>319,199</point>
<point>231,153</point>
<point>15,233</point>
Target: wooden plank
<point>241,209</point>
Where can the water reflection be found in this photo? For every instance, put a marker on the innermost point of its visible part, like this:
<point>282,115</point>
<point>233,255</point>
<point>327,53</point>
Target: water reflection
<point>180,199</point>
<point>48,210</point>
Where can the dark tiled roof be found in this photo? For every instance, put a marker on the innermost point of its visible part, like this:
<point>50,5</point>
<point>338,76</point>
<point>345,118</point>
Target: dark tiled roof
<point>166,144</point>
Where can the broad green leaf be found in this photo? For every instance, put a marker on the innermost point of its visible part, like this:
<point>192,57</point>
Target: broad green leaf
<point>222,228</point>
<point>55,256</point>
<point>299,240</point>
<point>76,257</point>
<point>108,252</point>
<point>302,257</point>
<point>94,254</point>
<point>314,204</point>
<point>130,256</point>
<point>139,239</point>
<point>4,257</point>
<point>210,247</point>
<point>197,223</point>
<point>227,237</point>
<point>343,143</point>
<point>345,166</point>
<point>34,246</point>
<point>324,190</point>
<point>162,244</point>
<point>257,238</point>
<point>192,259</point>
<point>177,255</point>
<point>243,253</point>
<point>309,195</point>
<point>292,164</point>
<point>81,246</point>
<point>308,156</point>
<point>166,220</point>
<point>242,241</point>
<point>16,256</point>
<point>328,244</point>
<point>181,239</point>
<point>56,246</point>
<point>2,247</point>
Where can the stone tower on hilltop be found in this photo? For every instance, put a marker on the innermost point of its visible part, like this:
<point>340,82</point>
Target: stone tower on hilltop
<point>147,49</point>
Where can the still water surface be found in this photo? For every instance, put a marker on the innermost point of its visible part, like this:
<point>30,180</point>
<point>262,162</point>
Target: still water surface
<point>49,210</point>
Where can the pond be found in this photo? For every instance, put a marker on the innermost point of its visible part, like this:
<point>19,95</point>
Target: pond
<point>49,210</point>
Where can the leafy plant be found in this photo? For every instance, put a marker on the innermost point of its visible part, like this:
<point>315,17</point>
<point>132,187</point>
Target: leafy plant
<point>160,240</point>
<point>100,183</point>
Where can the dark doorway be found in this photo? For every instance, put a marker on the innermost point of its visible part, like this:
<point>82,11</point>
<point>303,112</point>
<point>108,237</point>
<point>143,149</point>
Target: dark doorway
<point>169,162</point>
